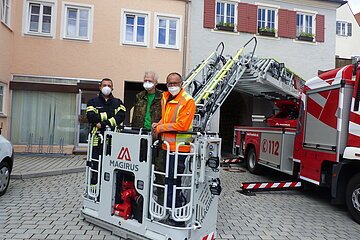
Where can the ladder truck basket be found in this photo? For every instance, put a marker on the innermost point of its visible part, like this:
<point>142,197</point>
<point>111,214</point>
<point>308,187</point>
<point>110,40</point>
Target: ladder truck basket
<point>158,210</point>
<point>158,207</point>
<point>184,213</point>
<point>93,188</point>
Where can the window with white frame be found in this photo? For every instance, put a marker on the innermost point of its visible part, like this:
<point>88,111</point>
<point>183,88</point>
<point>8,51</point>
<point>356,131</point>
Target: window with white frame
<point>2,98</point>
<point>60,124</point>
<point>5,11</point>
<point>40,17</point>
<point>305,24</point>
<point>225,14</point>
<point>77,22</point>
<point>135,28</point>
<point>266,19</point>
<point>167,32</point>
<point>343,28</point>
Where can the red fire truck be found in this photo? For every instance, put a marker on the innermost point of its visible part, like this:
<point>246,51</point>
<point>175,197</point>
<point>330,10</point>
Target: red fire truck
<point>315,138</point>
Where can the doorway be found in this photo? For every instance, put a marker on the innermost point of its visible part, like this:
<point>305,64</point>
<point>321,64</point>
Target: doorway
<point>235,111</point>
<point>131,89</point>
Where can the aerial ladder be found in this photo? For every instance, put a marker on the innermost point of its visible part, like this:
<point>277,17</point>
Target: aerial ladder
<point>126,200</point>
<point>269,78</point>
<point>211,82</point>
<point>202,73</point>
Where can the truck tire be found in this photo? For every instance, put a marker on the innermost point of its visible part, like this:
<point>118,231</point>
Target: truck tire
<point>251,162</point>
<point>353,197</point>
<point>4,177</point>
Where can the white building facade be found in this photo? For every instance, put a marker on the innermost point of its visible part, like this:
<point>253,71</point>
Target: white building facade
<point>300,34</point>
<point>347,35</point>
<point>289,19</point>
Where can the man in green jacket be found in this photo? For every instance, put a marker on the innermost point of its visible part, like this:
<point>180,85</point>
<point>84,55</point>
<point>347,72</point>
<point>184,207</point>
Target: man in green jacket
<point>147,109</point>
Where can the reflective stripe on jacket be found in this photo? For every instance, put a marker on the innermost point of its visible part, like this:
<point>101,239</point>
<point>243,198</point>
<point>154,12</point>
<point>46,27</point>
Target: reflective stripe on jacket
<point>177,115</point>
<point>109,112</point>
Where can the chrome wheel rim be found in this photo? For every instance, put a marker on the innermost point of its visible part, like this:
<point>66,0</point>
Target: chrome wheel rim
<point>252,160</point>
<point>4,178</point>
<point>355,198</point>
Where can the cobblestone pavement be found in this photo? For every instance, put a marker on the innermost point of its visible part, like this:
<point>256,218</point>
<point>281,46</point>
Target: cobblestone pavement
<point>37,165</point>
<point>48,208</point>
<point>280,215</point>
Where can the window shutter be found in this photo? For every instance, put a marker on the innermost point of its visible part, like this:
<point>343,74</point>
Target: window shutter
<point>283,24</point>
<point>242,17</point>
<point>320,28</point>
<point>349,30</point>
<point>247,18</point>
<point>209,13</point>
<point>337,28</point>
<point>292,24</point>
<point>287,23</point>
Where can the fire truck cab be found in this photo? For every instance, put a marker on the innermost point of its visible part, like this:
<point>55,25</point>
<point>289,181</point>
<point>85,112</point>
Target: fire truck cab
<point>321,146</point>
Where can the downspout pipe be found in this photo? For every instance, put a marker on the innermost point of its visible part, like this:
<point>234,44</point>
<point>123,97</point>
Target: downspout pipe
<point>186,24</point>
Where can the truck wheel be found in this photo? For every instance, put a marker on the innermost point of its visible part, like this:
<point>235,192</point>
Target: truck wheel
<point>353,197</point>
<point>251,162</point>
<point>4,177</point>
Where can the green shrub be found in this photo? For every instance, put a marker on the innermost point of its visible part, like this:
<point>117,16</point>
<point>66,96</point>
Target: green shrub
<point>225,24</point>
<point>305,34</point>
<point>266,29</point>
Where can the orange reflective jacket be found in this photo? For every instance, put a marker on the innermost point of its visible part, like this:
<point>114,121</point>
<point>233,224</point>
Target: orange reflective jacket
<point>176,115</point>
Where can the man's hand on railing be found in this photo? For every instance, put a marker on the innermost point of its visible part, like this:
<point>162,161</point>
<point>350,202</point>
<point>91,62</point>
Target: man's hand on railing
<point>153,130</point>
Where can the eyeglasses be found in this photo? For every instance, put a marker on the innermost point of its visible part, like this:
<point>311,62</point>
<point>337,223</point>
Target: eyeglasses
<point>169,84</point>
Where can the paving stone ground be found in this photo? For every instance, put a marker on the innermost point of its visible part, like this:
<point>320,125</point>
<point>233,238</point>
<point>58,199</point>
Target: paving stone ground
<point>280,215</point>
<point>39,165</point>
<point>48,208</point>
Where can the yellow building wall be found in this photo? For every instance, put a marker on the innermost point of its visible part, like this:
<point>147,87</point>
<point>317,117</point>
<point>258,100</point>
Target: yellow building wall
<point>6,57</point>
<point>105,55</point>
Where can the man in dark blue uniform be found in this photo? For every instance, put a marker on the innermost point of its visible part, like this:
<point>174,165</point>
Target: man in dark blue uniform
<point>103,111</point>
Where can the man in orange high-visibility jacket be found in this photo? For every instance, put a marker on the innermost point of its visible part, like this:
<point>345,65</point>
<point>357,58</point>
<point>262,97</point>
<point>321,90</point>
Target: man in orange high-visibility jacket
<point>177,114</point>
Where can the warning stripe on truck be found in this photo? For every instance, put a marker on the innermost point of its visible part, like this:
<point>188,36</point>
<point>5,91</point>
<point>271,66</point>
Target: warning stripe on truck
<point>234,160</point>
<point>211,236</point>
<point>227,167</point>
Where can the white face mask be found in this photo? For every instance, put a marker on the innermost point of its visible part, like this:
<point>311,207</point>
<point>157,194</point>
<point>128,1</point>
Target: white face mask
<point>148,85</point>
<point>174,90</point>
<point>106,90</point>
